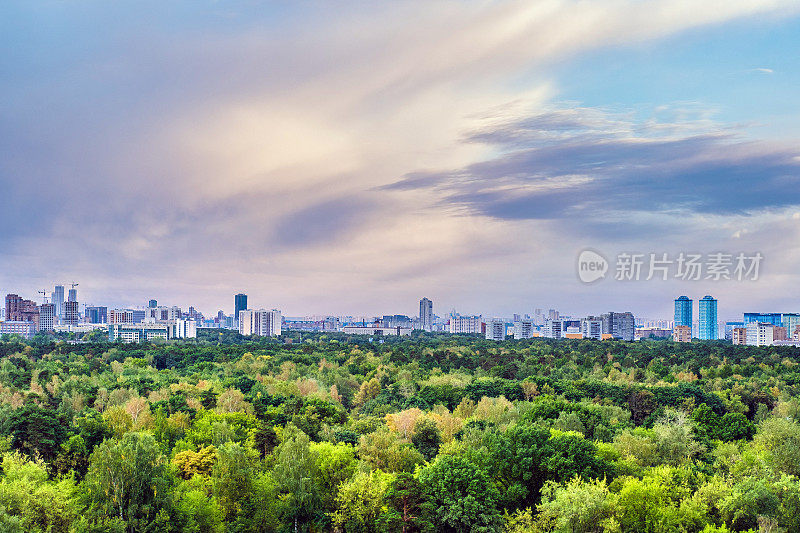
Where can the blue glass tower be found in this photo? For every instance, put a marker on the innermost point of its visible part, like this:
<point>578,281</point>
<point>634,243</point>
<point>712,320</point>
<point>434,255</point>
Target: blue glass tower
<point>683,311</point>
<point>707,308</point>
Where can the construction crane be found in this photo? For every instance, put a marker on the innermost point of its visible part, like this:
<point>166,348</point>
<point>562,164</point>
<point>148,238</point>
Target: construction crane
<point>74,285</point>
<point>44,295</point>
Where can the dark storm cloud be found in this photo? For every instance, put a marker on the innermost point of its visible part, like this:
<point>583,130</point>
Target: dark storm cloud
<point>581,163</point>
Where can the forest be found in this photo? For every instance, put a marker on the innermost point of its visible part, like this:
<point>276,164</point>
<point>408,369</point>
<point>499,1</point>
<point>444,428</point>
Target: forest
<point>424,433</point>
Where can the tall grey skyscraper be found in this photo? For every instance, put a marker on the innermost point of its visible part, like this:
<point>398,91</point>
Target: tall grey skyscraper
<point>707,314</point>
<point>73,295</point>
<point>58,301</point>
<point>426,314</point>
<point>619,325</point>
<point>239,304</point>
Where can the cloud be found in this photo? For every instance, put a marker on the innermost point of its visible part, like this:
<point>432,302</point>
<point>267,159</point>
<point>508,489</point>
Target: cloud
<point>763,70</point>
<point>329,221</point>
<point>587,163</point>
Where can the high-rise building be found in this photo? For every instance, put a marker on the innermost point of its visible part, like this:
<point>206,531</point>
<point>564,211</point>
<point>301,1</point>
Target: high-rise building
<point>426,314</point>
<point>239,304</point>
<point>790,322</point>
<point>683,311</point>
<point>759,334</point>
<point>58,301</point>
<point>47,317</point>
<point>96,314</point>
<point>183,329</point>
<point>554,328</point>
<point>707,314</point>
<point>523,328</point>
<point>619,325</point>
<point>72,295</point>
<point>260,322</point>
<point>19,309</point>
<point>71,314</point>
<point>592,327</point>
<point>466,324</point>
<point>152,304</point>
<point>13,302</point>
<point>496,330</point>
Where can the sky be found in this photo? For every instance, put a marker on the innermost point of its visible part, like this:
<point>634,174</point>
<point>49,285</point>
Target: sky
<point>351,157</point>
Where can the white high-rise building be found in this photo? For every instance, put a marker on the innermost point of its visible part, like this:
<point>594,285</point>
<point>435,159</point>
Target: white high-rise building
<point>760,334</point>
<point>466,324</point>
<point>554,329</point>
<point>47,317</point>
<point>260,322</point>
<point>523,328</point>
<point>425,314</point>
<point>183,329</point>
<point>496,330</point>
<point>592,327</point>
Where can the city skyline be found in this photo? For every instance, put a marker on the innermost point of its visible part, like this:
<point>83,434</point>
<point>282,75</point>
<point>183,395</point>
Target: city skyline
<point>683,306</point>
<point>27,318</point>
<point>349,159</point>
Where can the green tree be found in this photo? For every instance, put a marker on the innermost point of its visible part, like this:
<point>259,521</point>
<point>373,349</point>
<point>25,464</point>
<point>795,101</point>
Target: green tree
<point>462,497</point>
<point>38,431</point>
<point>516,459</point>
<point>359,502</point>
<point>190,463</point>
<point>196,511</point>
<point>73,457</point>
<point>128,480</point>
<point>781,439</point>
<point>38,503</point>
<point>641,403</point>
<point>578,506</point>
<point>296,475</point>
<point>736,426</point>
<point>407,503</point>
<point>706,422</point>
<point>426,437</point>
<point>749,500</point>
<point>265,439</point>
<point>383,449</point>
<point>232,479</point>
<point>335,464</point>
